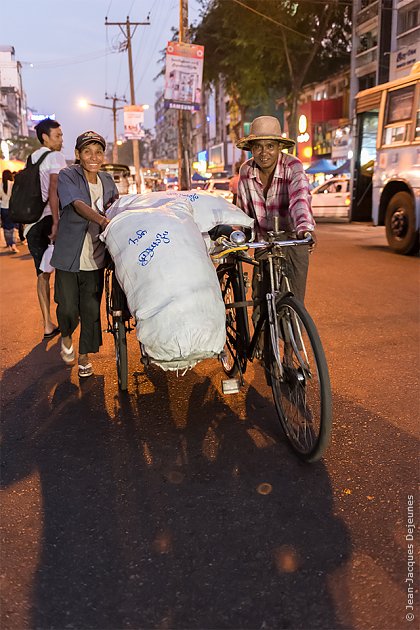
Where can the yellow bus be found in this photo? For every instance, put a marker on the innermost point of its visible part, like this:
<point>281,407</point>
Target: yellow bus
<point>386,177</point>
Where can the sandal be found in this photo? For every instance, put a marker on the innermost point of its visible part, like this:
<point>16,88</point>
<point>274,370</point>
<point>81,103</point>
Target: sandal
<point>67,354</point>
<point>85,370</point>
<point>55,331</point>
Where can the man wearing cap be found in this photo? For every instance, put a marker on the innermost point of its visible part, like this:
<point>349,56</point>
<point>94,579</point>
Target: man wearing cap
<point>273,183</point>
<point>79,256</point>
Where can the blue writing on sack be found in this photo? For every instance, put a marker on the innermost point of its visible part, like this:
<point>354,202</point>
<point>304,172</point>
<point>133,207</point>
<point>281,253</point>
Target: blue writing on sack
<point>148,253</point>
<point>135,239</point>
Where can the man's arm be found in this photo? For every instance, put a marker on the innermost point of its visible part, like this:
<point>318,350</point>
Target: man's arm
<point>242,198</point>
<point>53,201</point>
<point>89,214</point>
<point>300,203</point>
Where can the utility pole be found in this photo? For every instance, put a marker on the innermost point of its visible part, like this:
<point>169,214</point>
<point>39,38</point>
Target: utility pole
<point>184,117</point>
<point>126,31</point>
<point>114,108</point>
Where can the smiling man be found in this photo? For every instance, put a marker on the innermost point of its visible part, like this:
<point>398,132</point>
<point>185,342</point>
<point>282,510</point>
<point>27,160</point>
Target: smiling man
<point>84,192</point>
<point>273,183</point>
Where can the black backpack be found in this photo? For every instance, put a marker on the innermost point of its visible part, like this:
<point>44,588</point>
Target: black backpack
<point>26,205</point>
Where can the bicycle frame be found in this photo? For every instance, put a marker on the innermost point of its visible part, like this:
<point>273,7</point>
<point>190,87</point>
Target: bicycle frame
<point>279,287</point>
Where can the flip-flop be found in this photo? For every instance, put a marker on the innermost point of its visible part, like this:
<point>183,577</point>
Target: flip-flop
<point>52,334</point>
<point>67,354</point>
<point>85,370</point>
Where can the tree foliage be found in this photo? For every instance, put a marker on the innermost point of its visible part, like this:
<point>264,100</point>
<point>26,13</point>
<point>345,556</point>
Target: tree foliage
<point>22,147</point>
<point>271,46</point>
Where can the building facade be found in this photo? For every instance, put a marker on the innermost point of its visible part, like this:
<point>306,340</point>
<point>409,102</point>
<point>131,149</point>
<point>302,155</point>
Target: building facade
<point>385,42</point>
<point>166,129</point>
<point>13,111</point>
<point>405,39</point>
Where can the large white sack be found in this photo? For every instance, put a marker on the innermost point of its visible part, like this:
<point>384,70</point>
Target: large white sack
<point>171,285</point>
<point>208,210</point>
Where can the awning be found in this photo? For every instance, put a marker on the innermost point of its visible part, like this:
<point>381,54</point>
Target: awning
<point>197,177</point>
<point>344,168</point>
<point>321,166</point>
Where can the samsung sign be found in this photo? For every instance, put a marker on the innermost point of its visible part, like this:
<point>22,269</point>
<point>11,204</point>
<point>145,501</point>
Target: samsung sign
<point>38,117</point>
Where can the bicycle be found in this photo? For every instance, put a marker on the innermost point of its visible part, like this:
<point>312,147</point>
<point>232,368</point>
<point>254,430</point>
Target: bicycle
<point>284,338</point>
<point>119,323</point>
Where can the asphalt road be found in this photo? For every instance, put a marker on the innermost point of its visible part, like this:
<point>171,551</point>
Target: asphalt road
<point>173,506</point>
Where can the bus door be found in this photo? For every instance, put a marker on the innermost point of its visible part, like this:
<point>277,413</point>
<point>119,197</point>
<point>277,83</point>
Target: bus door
<point>365,154</point>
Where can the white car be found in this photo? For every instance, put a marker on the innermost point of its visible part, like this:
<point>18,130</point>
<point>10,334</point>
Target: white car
<point>332,199</point>
<point>219,187</point>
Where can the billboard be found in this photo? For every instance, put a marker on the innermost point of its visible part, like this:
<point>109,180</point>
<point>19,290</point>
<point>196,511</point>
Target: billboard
<point>183,76</point>
<point>133,121</point>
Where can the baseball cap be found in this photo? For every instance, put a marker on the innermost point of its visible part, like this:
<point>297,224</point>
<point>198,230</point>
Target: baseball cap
<point>88,137</point>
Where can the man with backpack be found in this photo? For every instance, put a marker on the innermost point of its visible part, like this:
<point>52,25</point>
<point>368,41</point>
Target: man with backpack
<point>40,233</point>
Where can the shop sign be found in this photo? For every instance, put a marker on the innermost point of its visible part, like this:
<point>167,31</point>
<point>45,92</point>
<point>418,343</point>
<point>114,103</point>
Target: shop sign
<point>341,142</point>
<point>133,121</point>
<point>216,157</point>
<point>402,60</point>
<point>183,76</point>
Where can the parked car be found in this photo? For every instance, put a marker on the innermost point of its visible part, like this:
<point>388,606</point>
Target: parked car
<point>332,199</point>
<point>197,185</point>
<point>219,187</point>
<point>121,175</point>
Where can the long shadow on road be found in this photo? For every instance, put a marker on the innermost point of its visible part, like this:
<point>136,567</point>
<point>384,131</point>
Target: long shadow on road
<point>172,512</point>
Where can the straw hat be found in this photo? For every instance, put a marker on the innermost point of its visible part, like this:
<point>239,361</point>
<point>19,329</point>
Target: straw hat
<point>264,128</point>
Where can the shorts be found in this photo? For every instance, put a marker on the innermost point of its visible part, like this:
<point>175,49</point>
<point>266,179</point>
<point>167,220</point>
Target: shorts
<point>38,240</point>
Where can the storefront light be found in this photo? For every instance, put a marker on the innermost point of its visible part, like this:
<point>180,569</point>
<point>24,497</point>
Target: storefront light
<point>303,126</point>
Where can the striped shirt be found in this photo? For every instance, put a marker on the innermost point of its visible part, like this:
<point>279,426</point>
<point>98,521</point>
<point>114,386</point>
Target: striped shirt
<point>288,196</point>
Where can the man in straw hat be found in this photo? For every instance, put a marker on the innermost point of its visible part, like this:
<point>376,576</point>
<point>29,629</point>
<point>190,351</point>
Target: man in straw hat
<point>273,183</point>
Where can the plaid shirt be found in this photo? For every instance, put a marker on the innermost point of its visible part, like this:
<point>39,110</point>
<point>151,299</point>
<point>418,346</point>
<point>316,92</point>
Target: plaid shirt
<point>288,196</point>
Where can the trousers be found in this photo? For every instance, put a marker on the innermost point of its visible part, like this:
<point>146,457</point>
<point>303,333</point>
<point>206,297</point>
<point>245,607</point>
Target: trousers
<point>78,296</point>
<point>297,271</point>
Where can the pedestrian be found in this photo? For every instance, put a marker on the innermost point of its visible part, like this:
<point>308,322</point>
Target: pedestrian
<point>7,225</point>
<point>273,183</point>
<point>42,232</point>
<point>85,193</point>
<point>234,181</point>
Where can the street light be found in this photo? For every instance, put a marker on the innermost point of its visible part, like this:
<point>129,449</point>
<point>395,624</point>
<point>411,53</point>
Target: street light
<point>84,104</point>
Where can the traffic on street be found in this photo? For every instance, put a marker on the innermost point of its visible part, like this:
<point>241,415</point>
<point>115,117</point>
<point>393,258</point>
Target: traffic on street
<point>210,315</point>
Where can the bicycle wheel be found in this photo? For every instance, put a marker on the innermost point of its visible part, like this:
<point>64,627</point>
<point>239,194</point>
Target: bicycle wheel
<point>234,355</point>
<point>120,341</point>
<point>301,388</point>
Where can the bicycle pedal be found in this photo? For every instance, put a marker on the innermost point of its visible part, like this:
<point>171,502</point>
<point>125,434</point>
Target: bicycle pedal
<point>231,386</point>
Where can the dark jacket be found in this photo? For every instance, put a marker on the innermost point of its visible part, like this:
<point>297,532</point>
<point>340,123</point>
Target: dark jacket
<point>72,228</point>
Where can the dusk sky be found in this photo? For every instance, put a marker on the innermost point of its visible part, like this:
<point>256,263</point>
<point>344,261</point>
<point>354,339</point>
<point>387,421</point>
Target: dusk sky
<point>66,41</point>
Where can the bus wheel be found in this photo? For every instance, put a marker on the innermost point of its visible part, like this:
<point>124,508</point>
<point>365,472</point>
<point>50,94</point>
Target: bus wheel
<point>400,224</point>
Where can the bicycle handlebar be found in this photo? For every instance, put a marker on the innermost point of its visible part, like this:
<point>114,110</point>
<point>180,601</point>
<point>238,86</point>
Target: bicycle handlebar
<point>289,243</point>
<point>226,246</point>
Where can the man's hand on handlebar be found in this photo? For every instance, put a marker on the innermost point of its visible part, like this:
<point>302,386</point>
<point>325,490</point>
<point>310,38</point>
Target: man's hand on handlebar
<point>302,235</point>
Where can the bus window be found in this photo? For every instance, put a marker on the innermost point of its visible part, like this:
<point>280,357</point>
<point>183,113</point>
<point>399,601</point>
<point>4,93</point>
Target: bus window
<point>398,114</point>
<point>395,134</point>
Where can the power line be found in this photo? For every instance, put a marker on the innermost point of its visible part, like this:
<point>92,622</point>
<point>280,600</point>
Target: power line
<point>267,17</point>
<point>54,63</point>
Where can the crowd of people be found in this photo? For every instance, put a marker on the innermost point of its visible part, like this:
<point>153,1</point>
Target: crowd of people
<point>271,183</point>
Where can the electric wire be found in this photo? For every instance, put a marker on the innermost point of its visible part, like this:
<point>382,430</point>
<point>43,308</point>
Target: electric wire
<point>69,61</point>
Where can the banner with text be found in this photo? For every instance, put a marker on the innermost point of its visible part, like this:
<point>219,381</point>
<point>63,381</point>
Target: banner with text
<point>183,76</point>
<point>133,121</point>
